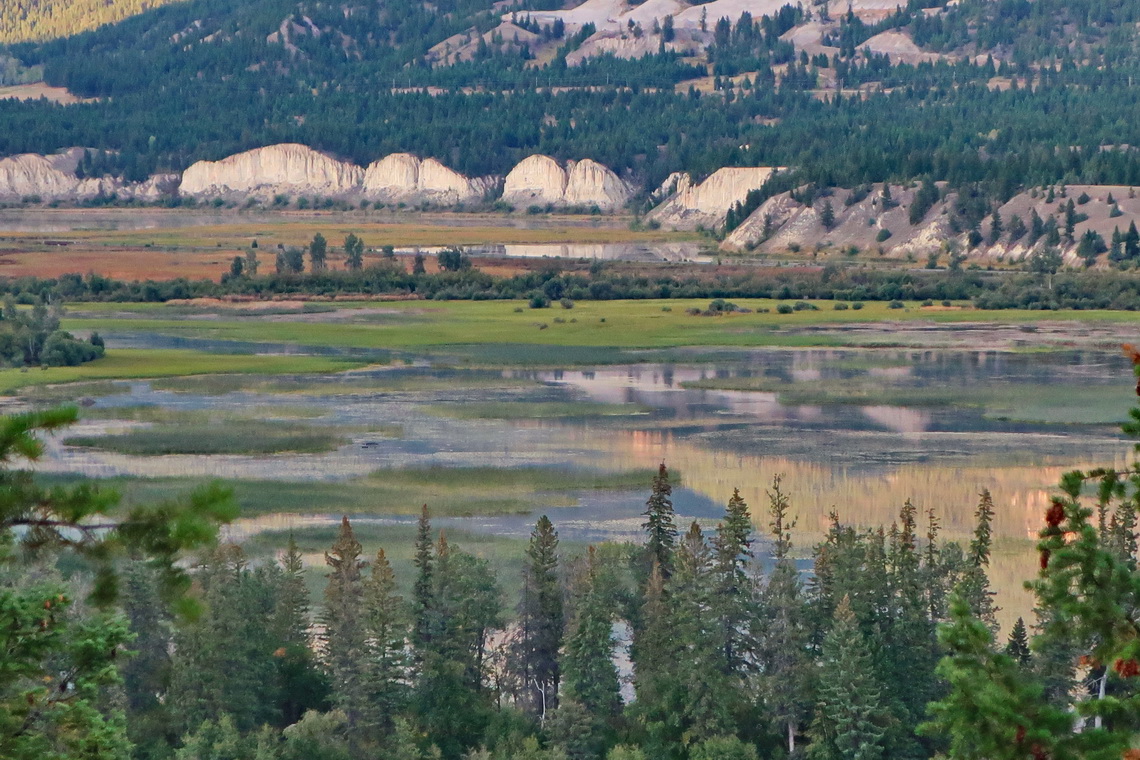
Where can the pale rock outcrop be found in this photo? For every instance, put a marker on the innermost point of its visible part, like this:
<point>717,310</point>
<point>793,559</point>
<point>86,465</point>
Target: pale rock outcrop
<point>536,180</point>
<point>707,204</point>
<point>540,180</point>
<point>287,168</point>
<point>54,178</point>
<point>591,184</point>
<point>32,174</point>
<point>402,177</point>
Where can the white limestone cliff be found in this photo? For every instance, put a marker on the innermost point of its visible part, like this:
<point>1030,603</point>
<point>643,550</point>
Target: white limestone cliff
<point>540,180</point>
<point>707,204</point>
<point>288,168</point>
<point>54,177</point>
<point>402,177</point>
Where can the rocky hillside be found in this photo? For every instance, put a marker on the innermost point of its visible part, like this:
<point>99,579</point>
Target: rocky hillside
<point>1083,223</point>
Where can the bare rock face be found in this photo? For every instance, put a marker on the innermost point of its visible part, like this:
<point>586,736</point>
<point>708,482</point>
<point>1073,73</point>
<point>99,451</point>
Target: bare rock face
<point>536,180</point>
<point>32,174</point>
<point>54,178</point>
<point>287,168</point>
<point>591,184</point>
<point>708,203</point>
<point>540,181</point>
<point>402,177</point>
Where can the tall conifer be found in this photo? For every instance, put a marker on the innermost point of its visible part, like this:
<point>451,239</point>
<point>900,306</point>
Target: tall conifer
<point>540,624</point>
<point>660,524</point>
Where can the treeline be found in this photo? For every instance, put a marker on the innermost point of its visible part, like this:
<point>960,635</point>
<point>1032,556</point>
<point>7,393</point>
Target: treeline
<point>1044,288</point>
<point>732,654</point>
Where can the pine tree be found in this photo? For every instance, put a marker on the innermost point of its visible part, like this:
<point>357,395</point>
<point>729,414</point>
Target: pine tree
<point>827,215</point>
<point>733,550</point>
<point>540,623</point>
<point>850,720</point>
<point>146,674</point>
<point>994,710</point>
<point>303,685</point>
<point>1018,645</point>
<point>783,630</point>
<point>450,700</point>
<point>653,645</point>
<point>588,671</point>
<point>344,640</point>
<point>975,586</point>
<point>387,637</point>
<point>659,523</point>
<point>706,696</point>
<point>996,228</point>
<point>423,591</point>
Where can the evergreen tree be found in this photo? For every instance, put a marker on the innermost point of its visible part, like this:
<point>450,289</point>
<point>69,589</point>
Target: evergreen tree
<point>223,662</point>
<point>450,702</point>
<point>540,623</point>
<point>707,697</point>
<point>974,586</point>
<point>783,630</point>
<point>827,215</point>
<point>146,674</point>
<point>994,710</point>
<point>1018,645</point>
<point>659,523</point>
<point>418,264</point>
<point>344,637</point>
<point>996,228</point>
<point>303,685</point>
<point>850,721</point>
<point>423,591</point>
<point>733,600</point>
<point>588,671</point>
<point>386,643</point>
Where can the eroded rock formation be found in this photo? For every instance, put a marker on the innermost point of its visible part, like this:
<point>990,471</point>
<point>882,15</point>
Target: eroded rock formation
<point>541,181</point>
<point>402,177</point>
<point>275,169</point>
<point>707,204</point>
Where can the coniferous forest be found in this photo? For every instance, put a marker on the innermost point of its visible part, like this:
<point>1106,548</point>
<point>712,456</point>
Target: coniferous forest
<point>715,641</point>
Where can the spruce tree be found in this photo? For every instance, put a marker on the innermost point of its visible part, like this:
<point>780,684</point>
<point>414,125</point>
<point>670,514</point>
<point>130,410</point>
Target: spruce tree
<point>733,600</point>
<point>707,697</point>
<point>588,671</point>
<point>387,639</point>
<point>659,523</point>
<point>146,674</point>
<point>344,639</point>
<point>540,625</point>
<point>782,630</point>
<point>850,718</point>
<point>975,586</point>
<point>423,590</point>
<point>303,684</point>
<point>1017,646</point>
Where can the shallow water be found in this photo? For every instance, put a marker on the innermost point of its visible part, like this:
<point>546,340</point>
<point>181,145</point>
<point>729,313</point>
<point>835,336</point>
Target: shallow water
<point>859,460</point>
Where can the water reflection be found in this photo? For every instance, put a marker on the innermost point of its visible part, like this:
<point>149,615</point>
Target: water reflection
<point>860,460</point>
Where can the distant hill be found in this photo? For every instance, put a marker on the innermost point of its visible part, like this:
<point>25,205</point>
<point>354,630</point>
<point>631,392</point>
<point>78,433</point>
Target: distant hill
<point>24,20</point>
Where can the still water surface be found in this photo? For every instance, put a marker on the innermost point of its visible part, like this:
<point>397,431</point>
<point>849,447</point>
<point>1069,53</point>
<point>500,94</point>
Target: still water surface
<point>936,427</point>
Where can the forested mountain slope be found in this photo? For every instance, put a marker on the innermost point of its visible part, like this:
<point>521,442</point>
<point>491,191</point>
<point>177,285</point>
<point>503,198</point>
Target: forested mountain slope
<point>1004,94</point>
<point>22,20</point>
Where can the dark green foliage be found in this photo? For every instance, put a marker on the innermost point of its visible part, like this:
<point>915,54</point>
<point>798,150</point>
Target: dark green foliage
<point>540,623</point>
<point>659,522</point>
<point>589,675</point>
<point>318,253</point>
<point>1018,645</point>
<point>353,253</point>
<point>851,718</point>
<point>345,637</point>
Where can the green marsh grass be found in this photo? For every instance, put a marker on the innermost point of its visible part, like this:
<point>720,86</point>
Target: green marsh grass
<point>147,363</point>
<point>249,437</point>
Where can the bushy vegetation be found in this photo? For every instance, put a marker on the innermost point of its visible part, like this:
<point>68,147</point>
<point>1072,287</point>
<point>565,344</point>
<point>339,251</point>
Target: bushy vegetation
<point>32,338</point>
